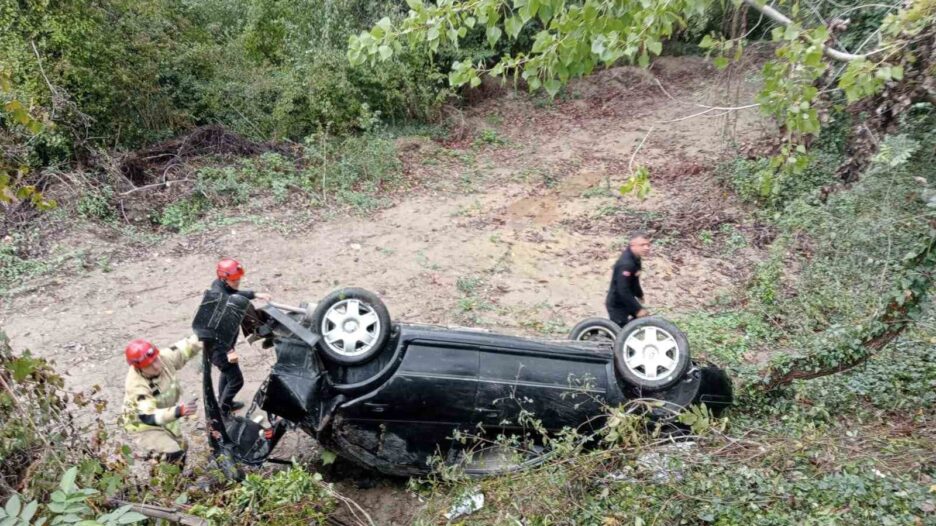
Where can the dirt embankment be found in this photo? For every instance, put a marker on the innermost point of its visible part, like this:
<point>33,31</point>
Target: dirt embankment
<point>518,237</point>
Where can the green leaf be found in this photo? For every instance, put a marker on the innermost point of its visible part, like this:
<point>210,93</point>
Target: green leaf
<point>598,45</point>
<point>493,35</point>
<point>13,506</point>
<point>470,22</point>
<point>29,511</point>
<point>385,24</point>
<point>131,517</point>
<point>328,457</point>
<point>552,87</point>
<point>385,52</point>
<point>814,58</point>
<point>23,366</point>
<point>21,117</point>
<point>644,60</point>
<point>655,47</point>
<point>897,72</point>
<point>67,484</point>
<point>415,5</point>
<point>513,25</point>
<point>721,62</point>
<point>545,13</point>
<point>433,33</point>
<point>820,34</point>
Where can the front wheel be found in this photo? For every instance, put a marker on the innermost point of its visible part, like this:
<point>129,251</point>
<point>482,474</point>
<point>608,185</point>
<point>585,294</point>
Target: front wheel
<point>651,354</point>
<point>354,325</point>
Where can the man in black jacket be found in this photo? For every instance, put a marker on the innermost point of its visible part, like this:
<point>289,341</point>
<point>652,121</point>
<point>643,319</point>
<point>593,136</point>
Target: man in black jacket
<point>624,294</point>
<point>229,274</point>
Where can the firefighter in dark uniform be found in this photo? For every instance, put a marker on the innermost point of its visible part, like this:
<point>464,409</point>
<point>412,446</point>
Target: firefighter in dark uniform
<point>624,294</point>
<point>230,273</point>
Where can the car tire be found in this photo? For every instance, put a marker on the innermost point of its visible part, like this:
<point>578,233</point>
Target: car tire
<point>595,329</point>
<point>354,325</point>
<point>651,354</point>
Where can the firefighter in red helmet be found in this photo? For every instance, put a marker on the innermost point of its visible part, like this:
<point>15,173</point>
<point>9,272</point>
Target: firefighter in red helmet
<point>152,401</point>
<point>229,273</point>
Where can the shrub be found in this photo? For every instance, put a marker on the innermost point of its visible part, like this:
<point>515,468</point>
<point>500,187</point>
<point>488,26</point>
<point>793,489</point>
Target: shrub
<point>183,214</point>
<point>96,204</point>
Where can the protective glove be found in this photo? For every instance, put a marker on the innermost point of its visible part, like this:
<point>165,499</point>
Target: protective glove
<point>190,407</point>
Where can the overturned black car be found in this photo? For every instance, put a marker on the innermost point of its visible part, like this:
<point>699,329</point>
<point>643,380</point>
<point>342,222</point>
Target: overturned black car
<point>391,396</point>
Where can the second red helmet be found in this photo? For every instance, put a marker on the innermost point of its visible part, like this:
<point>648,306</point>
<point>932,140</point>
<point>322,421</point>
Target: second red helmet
<point>140,353</point>
<point>230,269</point>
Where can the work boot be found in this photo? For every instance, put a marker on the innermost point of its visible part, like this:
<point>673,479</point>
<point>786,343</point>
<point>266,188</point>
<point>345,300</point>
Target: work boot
<point>236,406</point>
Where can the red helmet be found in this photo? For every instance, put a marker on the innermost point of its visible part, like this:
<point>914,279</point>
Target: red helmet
<point>141,353</point>
<point>230,269</point>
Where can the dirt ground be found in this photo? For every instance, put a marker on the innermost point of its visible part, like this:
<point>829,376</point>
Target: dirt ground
<point>519,238</point>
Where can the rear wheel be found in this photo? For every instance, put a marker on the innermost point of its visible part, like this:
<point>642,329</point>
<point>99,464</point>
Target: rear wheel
<point>595,330</point>
<point>651,354</point>
<point>354,325</point>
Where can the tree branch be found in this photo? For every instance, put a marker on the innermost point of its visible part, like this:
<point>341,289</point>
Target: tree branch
<point>895,319</point>
<point>165,184</point>
<point>782,19</point>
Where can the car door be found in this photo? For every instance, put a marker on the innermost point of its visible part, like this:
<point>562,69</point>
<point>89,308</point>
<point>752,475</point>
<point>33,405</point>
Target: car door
<point>557,388</point>
<point>415,413</point>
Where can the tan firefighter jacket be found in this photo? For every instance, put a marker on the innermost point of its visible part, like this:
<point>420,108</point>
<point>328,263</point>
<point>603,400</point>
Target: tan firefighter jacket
<point>150,403</point>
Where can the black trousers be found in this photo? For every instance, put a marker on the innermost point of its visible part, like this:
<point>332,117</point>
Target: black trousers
<point>619,315</point>
<point>231,382</point>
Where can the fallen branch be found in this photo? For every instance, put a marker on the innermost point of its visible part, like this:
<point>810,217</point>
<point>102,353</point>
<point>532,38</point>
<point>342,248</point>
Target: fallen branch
<point>919,276</point>
<point>166,184</point>
<point>160,512</point>
<point>698,105</point>
<point>630,164</point>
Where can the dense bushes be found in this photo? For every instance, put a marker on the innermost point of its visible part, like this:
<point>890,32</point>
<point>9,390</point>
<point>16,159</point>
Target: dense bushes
<point>121,72</point>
